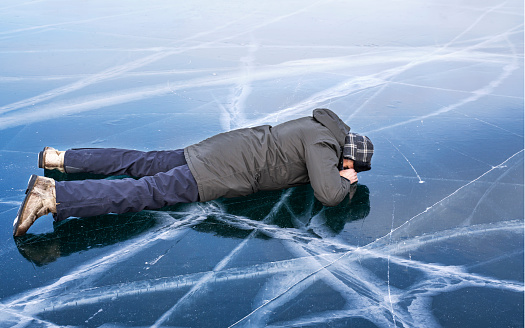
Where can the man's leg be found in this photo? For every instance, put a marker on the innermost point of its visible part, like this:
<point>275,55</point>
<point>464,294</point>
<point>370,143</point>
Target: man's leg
<point>97,197</point>
<point>112,161</point>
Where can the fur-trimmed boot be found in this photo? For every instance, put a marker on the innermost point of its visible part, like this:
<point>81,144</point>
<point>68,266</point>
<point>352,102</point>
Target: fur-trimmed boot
<point>40,200</point>
<point>51,159</point>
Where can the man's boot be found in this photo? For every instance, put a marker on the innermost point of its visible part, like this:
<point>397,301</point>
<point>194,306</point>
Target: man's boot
<point>51,159</point>
<point>40,200</point>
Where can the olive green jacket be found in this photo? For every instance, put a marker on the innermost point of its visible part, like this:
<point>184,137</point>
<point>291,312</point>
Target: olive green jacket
<point>244,161</point>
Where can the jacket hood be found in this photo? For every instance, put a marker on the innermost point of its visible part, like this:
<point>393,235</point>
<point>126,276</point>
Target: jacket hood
<point>333,123</point>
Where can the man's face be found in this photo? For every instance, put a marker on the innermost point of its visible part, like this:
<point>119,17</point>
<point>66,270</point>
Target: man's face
<point>348,164</point>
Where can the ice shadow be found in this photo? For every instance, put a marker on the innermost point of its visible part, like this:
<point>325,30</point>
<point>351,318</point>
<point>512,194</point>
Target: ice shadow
<point>79,234</point>
<point>302,212</point>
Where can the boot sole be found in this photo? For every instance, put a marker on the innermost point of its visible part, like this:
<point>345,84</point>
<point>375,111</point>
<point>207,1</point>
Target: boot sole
<point>41,158</point>
<point>30,186</point>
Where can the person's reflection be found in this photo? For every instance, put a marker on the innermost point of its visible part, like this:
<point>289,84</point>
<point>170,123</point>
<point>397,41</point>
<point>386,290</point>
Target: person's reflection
<point>292,208</point>
<point>351,209</point>
<point>298,209</point>
<point>76,235</point>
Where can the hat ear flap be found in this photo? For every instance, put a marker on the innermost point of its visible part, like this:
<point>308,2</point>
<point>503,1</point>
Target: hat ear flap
<point>361,166</point>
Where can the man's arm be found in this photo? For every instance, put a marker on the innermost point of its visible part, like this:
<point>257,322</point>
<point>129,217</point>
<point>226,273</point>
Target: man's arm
<point>330,187</point>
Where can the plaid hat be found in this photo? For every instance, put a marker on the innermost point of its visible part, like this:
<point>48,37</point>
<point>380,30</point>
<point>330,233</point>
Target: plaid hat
<point>359,149</point>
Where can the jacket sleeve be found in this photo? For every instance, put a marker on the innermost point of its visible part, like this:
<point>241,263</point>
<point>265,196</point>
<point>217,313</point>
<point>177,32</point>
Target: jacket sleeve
<point>329,187</point>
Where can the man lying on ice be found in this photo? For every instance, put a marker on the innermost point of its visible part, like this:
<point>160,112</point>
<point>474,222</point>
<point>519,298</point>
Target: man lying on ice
<point>319,150</point>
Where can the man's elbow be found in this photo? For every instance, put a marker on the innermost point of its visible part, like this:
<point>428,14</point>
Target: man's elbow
<point>331,200</point>
<point>331,194</point>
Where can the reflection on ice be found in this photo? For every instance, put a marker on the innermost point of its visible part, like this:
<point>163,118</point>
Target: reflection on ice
<point>433,236</point>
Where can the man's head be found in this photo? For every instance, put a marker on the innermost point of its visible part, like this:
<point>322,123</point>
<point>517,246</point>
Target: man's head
<point>359,149</point>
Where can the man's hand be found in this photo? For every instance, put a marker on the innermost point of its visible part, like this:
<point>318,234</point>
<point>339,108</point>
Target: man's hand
<point>349,174</point>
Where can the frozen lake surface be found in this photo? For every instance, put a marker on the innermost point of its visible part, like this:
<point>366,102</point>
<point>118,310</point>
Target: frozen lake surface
<point>433,237</point>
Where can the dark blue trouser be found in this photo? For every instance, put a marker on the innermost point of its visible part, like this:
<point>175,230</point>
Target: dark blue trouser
<point>165,179</point>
